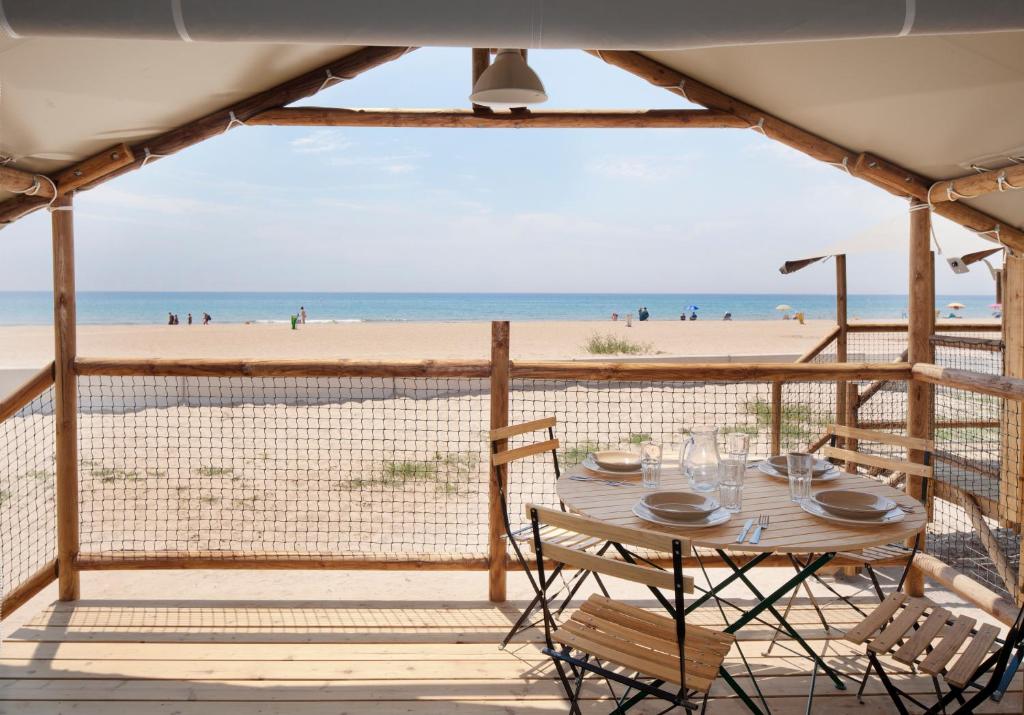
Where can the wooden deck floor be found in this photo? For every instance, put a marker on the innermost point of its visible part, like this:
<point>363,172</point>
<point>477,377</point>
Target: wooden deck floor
<point>163,657</point>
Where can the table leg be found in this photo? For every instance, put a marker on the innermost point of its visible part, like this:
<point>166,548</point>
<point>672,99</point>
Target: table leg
<point>768,603</point>
<point>717,588</point>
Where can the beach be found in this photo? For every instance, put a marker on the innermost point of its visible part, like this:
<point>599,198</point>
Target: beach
<point>32,346</point>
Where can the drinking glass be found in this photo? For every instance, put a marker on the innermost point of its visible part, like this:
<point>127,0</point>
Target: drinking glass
<point>799,465</point>
<point>650,465</point>
<point>730,482</point>
<point>737,445</point>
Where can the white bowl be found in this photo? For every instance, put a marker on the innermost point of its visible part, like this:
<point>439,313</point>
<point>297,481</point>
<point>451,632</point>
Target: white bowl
<point>679,506</point>
<point>820,468</point>
<point>617,461</point>
<point>852,504</point>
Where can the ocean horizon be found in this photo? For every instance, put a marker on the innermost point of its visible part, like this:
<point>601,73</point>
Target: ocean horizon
<point>152,308</point>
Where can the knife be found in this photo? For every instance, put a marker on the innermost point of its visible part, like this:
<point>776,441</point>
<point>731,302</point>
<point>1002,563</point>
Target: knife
<point>743,533</point>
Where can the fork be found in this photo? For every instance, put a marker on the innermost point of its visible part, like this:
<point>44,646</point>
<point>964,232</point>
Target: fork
<point>762,524</point>
<point>584,478</point>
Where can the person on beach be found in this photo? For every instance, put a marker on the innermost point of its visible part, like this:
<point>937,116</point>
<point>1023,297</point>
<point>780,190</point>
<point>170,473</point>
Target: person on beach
<point>170,318</point>
<point>302,314</point>
<point>727,316</point>
<point>642,314</point>
<point>615,317</point>
<point>206,318</point>
<point>693,315</point>
<point>682,316</point>
<point>189,319</point>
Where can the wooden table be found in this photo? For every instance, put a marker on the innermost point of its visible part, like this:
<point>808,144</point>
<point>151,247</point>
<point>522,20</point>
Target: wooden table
<point>791,531</point>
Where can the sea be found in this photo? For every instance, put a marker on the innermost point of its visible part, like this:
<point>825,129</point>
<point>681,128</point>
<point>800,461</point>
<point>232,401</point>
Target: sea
<point>143,308</point>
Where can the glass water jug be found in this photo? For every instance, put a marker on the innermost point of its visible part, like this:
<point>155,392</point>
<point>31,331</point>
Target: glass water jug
<point>700,459</point>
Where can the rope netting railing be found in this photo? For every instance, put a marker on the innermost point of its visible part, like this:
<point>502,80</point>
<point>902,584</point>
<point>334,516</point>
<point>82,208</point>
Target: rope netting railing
<point>363,468</point>
<point>28,540</point>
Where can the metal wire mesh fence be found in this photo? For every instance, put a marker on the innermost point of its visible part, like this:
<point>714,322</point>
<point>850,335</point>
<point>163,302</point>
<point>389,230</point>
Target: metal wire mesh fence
<point>27,488</point>
<point>363,468</point>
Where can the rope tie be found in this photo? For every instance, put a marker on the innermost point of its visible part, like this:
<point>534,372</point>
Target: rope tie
<point>682,89</point>
<point>150,156</point>
<point>5,159</point>
<point>759,127</point>
<point>32,190</point>
<point>1005,185</point>
<point>330,80</point>
<point>844,164</point>
<point>233,122</point>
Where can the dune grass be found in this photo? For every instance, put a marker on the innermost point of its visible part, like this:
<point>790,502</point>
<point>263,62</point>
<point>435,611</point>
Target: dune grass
<point>607,344</point>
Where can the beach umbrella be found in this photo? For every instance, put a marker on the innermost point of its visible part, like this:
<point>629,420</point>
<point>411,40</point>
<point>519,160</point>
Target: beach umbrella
<point>693,307</point>
<point>783,306</point>
<point>995,305</point>
<point>956,306</point>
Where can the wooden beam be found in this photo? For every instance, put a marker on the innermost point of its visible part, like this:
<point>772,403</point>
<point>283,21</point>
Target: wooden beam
<point>902,182</point>
<point>1007,571</point>
<point>966,587</point>
<point>908,183</point>
<point>65,396</point>
<point>28,391</point>
<point>709,372</point>
<point>213,367</point>
<point>1011,388</point>
<point>992,345</point>
<point>35,583</point>
<point>1011,433</point>
<point>216,123</point>
<point>486,119</point>
<point>920,327</point>
<point>24,182</point>
<point>985,182</point>
<point>497,548</point>
<point>136,561</point>
<point>94,168</point>
<point>948,326</point>
<point>820,346</point>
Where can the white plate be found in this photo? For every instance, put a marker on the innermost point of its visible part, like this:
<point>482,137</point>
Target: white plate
<point>719,516</point>
<point>815,509</point>
<point>768,469</point>
<point>591,465</point>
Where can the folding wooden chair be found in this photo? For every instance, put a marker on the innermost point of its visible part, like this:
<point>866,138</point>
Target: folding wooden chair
<point>651,654</point>
<point>890,554</point>
<point>501,457</point>
<point>906,628</point>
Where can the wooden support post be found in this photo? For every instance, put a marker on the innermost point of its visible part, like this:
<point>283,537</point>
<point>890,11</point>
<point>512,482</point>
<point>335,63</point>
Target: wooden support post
<point>842,321</point>
<point>852,405</point>
<point>65,396</point>
<point>776,417</point>
<point>1011,463</point>
<point>920,327</point>
<point>498,569</point>
<point>481,61</point>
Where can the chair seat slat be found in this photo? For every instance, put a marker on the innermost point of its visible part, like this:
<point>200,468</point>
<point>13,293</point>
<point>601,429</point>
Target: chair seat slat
<point>963,670</point>
<point>923,636</point>
<point>877,618</point>
<point>892,633</point>
<point>946,648</point>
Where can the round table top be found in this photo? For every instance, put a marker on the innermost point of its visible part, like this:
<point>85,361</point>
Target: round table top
<point>791,529</point>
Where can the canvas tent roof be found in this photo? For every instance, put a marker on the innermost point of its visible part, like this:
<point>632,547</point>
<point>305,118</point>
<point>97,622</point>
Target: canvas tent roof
<point>934,103</point>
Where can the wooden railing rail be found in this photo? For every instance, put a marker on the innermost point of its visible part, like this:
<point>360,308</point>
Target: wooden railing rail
<point>710,372</point>
<point>282,368</point>
<point>1011,388</point>
<point>28,391</point>
<point>969,343</point>
<point>948,326</point>
<point>821,346</point>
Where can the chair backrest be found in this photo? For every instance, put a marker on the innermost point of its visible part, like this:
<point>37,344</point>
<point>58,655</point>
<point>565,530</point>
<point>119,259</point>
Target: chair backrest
<point>853,435</point>
<point>501,455</point>
<point>580,558</point>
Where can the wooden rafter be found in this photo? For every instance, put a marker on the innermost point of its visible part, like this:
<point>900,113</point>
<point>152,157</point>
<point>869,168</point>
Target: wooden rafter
<point>873,169</point>
<point>462,118</point>
<point>305,85</point>
<point>967,187</point>
<point>24,182</point>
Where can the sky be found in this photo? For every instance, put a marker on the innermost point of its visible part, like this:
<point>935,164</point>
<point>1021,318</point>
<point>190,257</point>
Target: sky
<point>369,209</point>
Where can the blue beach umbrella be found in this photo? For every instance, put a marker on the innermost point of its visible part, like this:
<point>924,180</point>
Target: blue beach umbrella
<point>693,307</point>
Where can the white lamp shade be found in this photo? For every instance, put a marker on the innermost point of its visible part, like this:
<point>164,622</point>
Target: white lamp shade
<point>508,82</point>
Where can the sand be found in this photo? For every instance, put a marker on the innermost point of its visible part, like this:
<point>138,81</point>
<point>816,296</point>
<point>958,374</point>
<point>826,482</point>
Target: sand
<point>32,346</point>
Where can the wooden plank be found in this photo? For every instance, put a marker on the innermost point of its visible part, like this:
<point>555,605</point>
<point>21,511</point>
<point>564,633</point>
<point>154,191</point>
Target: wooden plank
<point>499,400</point>
<point>25,393</point>
<point>136,561</point>
<point>126,367</point>
<point>896,465</point>
<point>510,455</point>
<point>877,618</point>
<point>470,119</point>
<point>977,183</point>
<point>1009,387</point>
<point>950,326</point>
<point>618,569</point>
<point>35,583</point>
<point>923,636</point>
<point>65,394</point>
<point>884,437</point>
<point>608,532</point>
<point>708,372</point>
<point>523,428</point>
<point>903,622</point>
<point>963,670</point>
<point>945,649</point>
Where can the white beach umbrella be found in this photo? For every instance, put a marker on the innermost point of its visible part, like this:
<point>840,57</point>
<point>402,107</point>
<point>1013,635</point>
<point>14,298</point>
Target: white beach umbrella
<point>783,307</point>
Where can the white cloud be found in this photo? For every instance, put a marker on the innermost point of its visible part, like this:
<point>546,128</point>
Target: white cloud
<point>114,198</point>
<point>321,142</point>
<point>646,168</point>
